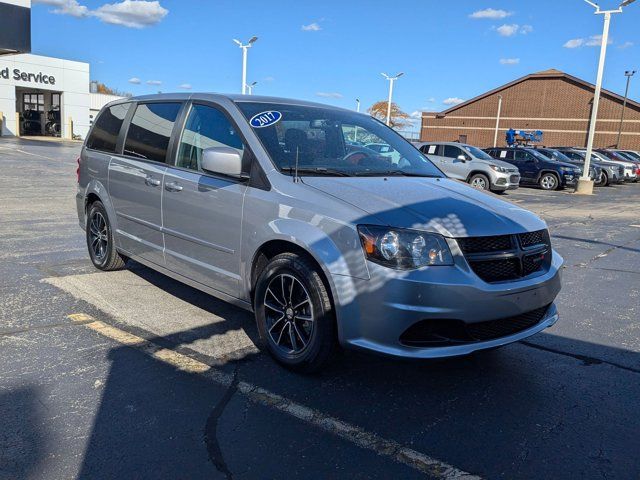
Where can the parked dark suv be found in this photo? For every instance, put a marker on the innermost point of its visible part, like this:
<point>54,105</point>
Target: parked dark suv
<point>536,169</point>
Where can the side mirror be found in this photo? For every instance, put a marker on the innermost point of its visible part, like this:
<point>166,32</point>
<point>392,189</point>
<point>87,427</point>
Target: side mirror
<point>462,158</point>
<point>222,160</point>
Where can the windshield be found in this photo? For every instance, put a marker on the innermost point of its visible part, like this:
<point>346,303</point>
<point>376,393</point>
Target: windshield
<point>537,154</point>
<point>556,155</point>
<point>476,152</point>
<point>332,142</point>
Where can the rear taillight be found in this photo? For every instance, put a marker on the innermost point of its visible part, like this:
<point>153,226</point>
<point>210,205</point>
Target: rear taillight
<point>78,171</point>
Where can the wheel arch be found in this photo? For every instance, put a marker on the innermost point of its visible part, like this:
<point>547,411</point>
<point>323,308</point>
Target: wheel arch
<point>97,191</point>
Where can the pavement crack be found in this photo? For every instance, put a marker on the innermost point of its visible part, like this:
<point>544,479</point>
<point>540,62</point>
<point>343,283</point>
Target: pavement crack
<point>211,428</point>
<point>585,359</point>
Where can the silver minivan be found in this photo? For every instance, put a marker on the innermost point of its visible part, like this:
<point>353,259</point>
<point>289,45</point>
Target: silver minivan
<point>265,203</point>
<point>472,165</point>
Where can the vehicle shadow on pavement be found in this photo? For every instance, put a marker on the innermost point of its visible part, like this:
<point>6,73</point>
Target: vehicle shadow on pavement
<point>23,433</point>
<point>518,407</point>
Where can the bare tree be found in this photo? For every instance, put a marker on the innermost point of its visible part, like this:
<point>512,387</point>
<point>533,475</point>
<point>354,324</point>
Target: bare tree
<point>398,117</point>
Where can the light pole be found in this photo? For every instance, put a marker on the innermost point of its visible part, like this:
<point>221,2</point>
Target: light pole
<point>250,87</point>
<point>628,74</point>
<point>244,48</point>
<point>355,130</point>
<point>585,185</point>
<point>495,135</point>
<point>391,80</point>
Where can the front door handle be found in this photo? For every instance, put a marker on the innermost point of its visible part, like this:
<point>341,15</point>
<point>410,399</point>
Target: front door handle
<point>173,187</point>
<point>152,182</point>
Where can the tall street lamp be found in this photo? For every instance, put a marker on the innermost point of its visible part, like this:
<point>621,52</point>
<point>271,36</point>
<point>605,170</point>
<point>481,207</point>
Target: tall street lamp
<point>628,74</point>
<point>244,48</point>
<point>495,133</point>
<point>250,87</point>
<point>391,80</point>
<point>585,185</point>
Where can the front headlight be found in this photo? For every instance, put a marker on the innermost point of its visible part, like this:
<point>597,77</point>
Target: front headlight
<point>403,249</point>
<point>498,169</point>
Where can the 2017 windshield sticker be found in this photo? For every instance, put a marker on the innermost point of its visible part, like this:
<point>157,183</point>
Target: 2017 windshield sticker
<point>265,119</point>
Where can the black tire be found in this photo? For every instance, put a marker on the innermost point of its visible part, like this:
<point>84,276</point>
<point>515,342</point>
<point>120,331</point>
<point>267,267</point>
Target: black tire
<point>100,241</point>
<point>549,181</point>
<point>480,181</point>
<point>313,342</point>
<point>604,180</point>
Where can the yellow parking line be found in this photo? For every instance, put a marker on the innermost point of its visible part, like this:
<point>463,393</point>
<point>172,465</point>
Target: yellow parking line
<point>258,395</point>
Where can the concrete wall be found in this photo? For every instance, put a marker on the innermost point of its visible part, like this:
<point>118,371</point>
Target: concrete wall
<point>561,108</point>
<point>71,78</point>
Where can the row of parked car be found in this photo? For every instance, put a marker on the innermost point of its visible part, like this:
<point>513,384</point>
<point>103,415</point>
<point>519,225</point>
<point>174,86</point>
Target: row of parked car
<point>505,168</point>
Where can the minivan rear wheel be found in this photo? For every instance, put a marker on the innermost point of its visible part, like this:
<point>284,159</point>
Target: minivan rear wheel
<point>294,314</point>
<point>100,243</point>
<point>479,181</point>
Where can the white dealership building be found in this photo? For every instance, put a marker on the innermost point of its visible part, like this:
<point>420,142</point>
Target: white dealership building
<point>44,96</point>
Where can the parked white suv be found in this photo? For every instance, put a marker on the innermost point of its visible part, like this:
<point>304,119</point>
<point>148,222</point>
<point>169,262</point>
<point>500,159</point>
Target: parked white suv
<point>472,165</point>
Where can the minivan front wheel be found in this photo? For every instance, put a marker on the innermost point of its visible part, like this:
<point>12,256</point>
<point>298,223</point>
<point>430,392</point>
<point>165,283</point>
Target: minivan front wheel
<point>100,241</point>
<point>294,313</point>
<point>548,181</point>
<point>479,181</point>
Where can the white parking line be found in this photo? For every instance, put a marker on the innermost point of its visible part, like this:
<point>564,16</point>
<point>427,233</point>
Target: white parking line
<point>351,433</point>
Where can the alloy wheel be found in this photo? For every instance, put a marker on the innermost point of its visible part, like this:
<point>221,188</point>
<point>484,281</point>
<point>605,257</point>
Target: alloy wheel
<point>479,183</point>
<point>289,314</point>
<point>98,236</point>
<point>548,182</point>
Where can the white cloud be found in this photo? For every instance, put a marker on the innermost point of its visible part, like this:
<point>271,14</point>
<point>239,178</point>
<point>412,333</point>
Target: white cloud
<point>135,80</point>
<point>490,13</point>
<point>574,43</point>
<point>452,101</point>
<point>626,44</point>
<point>524,29</point>
<point>431,99</point>
<point>592,41</point>
<point>131,13</point>
<point>154,82</point>
<point>185,86</point>
<point>509,61</point>
<point>128,13</point>
<point>596,41</point>
<point>329,94</point>
<point>312,27</point>
<point>511,29</point>
<point>66,7</point>
<point>269,79</point>
<point>508,30</point>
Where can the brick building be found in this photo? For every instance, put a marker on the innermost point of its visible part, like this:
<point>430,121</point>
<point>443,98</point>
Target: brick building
<point>552,101</point>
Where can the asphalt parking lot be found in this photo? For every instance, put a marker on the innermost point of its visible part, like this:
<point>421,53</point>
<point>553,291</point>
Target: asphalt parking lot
<point>130,374</point>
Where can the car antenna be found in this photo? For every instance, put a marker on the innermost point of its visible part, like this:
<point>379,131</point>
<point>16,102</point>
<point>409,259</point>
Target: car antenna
<point>295,172</point>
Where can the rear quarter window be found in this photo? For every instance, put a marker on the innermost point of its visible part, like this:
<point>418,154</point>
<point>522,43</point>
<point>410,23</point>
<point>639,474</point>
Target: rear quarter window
<point>104,135</point>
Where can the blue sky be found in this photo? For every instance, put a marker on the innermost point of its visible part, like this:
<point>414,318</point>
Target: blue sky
<point>333,52</point>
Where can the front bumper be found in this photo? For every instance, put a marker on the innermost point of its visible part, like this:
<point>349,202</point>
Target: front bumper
<point>570,180</point>
<point>373,314</point>
<point>504,181</point>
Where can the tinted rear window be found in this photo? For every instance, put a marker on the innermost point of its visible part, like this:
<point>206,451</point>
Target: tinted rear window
<point>104,134</point>
<point>150,130</point>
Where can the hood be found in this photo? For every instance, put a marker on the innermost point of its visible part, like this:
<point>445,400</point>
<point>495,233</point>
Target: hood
<point>566,165</point>
<point>439,205</point>
<point>497,162</point>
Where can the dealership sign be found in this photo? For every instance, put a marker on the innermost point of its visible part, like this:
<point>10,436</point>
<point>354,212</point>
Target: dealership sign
<point>17,75</point>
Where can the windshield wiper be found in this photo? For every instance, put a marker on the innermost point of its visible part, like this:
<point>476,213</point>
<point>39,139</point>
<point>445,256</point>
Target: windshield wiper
<point>399,173</point>
<point>317,171</point>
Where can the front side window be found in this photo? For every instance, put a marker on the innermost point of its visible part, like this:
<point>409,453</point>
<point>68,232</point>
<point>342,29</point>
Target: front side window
<point>150,131</point>
<point>476,152</point>
<point>104,134</point>
<point>206,127</point>
<point>327,141</point>
<point>451,151</point>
